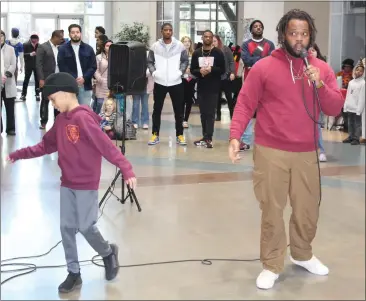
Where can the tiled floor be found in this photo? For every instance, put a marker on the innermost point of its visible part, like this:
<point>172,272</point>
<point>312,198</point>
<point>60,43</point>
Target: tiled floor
<point>195,205</point>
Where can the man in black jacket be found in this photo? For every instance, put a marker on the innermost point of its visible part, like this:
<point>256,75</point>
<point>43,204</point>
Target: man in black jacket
<point>30,49</point>
<point>78,59</point>
<point>46,64</point>
<point>208,64</point>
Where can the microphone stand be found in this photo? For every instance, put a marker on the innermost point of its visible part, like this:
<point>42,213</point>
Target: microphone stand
<point>121,105</point>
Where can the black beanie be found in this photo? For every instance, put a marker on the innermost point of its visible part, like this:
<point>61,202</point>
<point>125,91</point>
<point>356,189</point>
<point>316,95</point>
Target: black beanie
<point>252,24</point>
<point>60,82</point>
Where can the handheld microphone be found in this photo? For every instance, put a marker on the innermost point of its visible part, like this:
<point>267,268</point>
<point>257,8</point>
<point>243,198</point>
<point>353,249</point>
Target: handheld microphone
<point>304,56</point>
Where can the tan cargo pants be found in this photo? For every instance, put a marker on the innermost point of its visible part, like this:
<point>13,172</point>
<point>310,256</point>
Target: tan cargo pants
<point>276,175</point>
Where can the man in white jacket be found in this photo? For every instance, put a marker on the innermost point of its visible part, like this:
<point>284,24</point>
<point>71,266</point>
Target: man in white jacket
<point>167,62</point>
<point>355,104</point>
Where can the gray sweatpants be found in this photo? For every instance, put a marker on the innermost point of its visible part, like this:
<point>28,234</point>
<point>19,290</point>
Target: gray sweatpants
<point>79,212</point>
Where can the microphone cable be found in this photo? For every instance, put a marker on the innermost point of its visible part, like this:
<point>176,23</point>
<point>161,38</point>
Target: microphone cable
<point>316,100</point>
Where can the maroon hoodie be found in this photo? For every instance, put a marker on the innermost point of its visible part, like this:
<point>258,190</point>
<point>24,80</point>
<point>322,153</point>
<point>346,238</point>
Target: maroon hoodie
<point>282,121</point>
<point>81,144</point>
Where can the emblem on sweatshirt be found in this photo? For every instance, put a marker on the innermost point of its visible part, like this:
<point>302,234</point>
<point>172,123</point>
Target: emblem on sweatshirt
<point>73,133</point>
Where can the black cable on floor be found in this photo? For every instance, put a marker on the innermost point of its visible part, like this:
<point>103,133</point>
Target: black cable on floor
<point>27,268</point>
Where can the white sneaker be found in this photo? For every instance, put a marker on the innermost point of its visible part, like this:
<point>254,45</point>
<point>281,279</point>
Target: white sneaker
<point>185,124</point>
<point>136,126</point>
<point>145,126</point>
<point>322,157</point>
<point>313,265</point>
<point>266,279</point>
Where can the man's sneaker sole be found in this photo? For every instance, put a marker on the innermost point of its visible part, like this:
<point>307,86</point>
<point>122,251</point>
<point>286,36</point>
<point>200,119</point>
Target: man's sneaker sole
<point>77,285</point>
<point>153,143</point>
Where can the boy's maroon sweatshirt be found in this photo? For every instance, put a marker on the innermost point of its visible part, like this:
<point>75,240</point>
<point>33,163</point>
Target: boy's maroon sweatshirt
<point>81,144</point>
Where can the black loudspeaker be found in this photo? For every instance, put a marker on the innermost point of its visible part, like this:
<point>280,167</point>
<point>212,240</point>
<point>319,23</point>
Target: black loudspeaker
<point>127,68</point>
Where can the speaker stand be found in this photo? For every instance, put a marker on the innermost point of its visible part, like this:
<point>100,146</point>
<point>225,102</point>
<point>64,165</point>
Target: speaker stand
<point>121,105</point>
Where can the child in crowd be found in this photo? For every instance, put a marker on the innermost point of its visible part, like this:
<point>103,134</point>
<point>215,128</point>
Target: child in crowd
<point>80,144</point>
<point>108,116</point>
<point>355,104</point>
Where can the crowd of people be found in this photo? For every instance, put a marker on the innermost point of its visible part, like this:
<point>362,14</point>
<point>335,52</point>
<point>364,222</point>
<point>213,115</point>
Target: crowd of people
<point>226,68</point>
<point>277,91</point>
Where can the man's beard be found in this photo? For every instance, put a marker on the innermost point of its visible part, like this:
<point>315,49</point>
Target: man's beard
<point>291,51</point>
<point>257,36</point>
<point>75,40</point>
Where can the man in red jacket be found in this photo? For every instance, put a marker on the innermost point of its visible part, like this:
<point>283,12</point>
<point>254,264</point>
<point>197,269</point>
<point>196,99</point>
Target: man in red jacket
<point>80,144</point>
<point>285,158</point>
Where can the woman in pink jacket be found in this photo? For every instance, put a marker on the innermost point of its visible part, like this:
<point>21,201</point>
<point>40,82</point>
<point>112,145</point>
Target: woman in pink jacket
<point>101,76</point>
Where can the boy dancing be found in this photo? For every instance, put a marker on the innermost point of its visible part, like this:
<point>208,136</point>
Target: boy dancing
<point>80,144</point>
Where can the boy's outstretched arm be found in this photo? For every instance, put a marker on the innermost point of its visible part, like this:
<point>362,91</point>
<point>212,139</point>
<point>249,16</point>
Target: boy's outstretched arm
<point>48,145</point>
<point>106,148</point>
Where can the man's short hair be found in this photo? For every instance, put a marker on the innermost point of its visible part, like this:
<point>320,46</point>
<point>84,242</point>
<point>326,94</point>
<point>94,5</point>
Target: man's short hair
<point>57,33</point>
<point>74,26</point>
<point>166,24</point>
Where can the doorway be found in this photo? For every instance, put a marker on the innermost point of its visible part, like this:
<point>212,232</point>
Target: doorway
<point>45,25</point>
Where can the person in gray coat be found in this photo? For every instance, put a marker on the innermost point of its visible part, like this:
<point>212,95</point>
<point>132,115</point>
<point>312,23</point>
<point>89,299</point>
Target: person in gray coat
<point>8,86</point>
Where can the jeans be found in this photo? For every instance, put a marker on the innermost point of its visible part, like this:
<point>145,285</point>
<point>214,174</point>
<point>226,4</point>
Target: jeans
<point>247,136</point>
<point>84,97</point>
<point>320,140</point>
<point>144,99</point>
<point>98,105</point>
<point>354,126</point>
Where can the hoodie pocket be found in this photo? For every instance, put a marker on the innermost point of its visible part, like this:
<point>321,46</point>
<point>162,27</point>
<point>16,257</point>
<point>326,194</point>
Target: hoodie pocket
<point>158,76</point>
<point>174,75</point>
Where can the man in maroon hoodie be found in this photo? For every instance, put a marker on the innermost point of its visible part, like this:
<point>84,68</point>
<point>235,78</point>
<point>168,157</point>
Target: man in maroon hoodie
<point>80,144</point>
<point>285,158</point>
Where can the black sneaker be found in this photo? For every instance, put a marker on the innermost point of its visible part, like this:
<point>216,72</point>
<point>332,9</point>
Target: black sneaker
<point>23,98</point>
<point>347,140</point>
<point>355,142</point>
<point>200,142</point>
<point>72,282</point>
<point>208,143</point>
<point>111,263</point>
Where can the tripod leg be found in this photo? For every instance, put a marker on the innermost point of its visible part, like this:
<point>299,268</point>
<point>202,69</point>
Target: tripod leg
<point>123,191</point>
<point>133,197</point>
<point>109,189</point>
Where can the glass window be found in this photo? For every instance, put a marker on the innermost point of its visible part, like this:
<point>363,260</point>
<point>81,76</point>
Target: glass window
<point>201,11</point>
<point>90,22</point>
<point>185,11</point>
<point>95,8</point>
<point>64,24</point>
<point>227,32</point>
<point>21,21</point>
<point>58,7</point>
<point>44,27</point>
<point>194,18</point>
<point>4,7</point>
<point>185,29</point>
<point>3,24</point>
<point>19,7</point>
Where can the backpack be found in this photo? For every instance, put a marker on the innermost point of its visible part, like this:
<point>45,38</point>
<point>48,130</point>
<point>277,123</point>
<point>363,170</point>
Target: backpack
<point>118,128</point>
